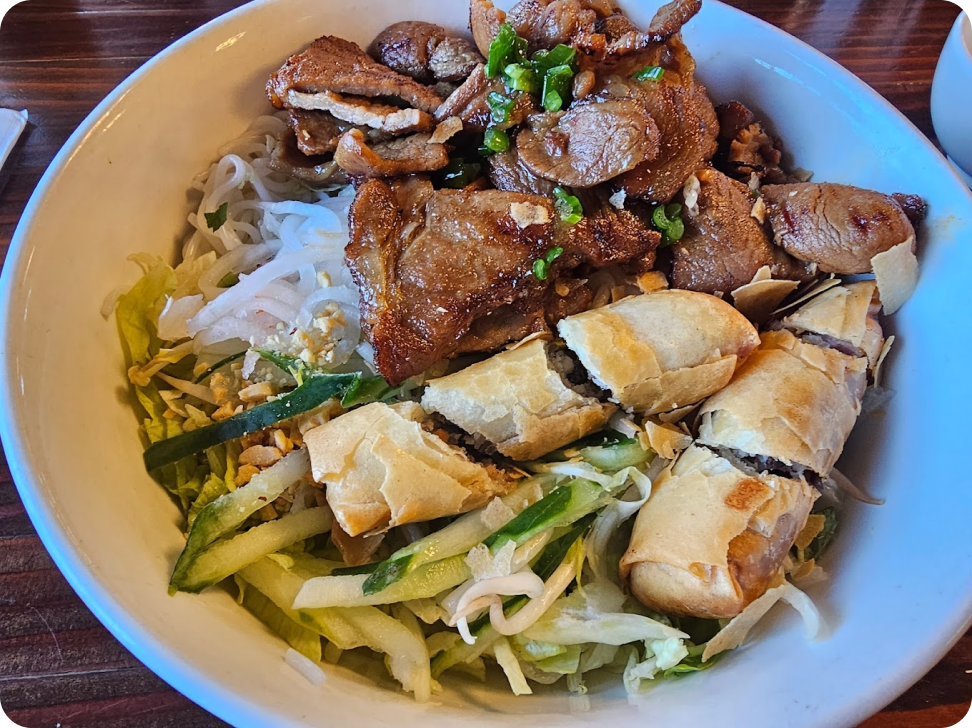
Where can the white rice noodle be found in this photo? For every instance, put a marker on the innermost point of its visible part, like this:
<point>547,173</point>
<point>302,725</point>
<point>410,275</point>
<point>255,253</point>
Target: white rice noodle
<point>309,670</point>
<point>556,585</point>
<point>236,261</point>
<point>521,557</point>
<point>250,286</point>
<point>735,633</point>
<point>177,311</point>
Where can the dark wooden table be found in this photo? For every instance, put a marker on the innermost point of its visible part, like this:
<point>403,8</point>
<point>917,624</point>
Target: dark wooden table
<point>58,59</point>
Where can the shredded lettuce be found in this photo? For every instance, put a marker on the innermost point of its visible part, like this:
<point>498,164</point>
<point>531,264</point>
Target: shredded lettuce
<point>306,641</point>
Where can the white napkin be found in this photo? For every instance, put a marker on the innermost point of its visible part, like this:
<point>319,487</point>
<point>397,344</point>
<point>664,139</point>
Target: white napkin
<point>12,124</point>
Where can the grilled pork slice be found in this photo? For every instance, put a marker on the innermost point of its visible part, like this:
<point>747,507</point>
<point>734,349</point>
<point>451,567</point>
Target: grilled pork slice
<point>425,52</point>
<point>724,246</point>
<point>840,228</point>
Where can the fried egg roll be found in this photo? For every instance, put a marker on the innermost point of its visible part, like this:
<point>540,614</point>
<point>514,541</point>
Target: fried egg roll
<point>382,469</point>
<point>791,401</point>
<point>520,401</point>
<point>712,537</point>
<point>660,351</point>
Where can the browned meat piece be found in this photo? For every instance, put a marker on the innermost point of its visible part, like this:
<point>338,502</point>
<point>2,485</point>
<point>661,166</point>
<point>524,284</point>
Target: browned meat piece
<point>361,112</point>
<point>407,48</point>
<point>614,26</point>
<point>454,59</point>
<point>518,320</point>
<point>668,21</point>
<point>609,236</point>
<point>469,103</point>
<point>484,22</point>
<point>724,246</point>
<point>746,149</point>
<point>425,52</point>
<point>512,322</point>
<point>315,170</point>
<point>839,228</point>
<point>508,173</point>
<point>914,207</point>
<point>394,158</point>
<point>733,118</point>
<point>429,263</point>
<point>688,127</point>
<point>318,131</point>
<point>545,23</point>
<point>341,67</point>
<point>590,143</point>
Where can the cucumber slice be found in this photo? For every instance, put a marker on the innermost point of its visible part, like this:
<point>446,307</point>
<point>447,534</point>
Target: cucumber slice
<point>228,512</point>
<point>348,591</point>
<point>314,391</point>
<point>225,558</point>
<point>456,538</point>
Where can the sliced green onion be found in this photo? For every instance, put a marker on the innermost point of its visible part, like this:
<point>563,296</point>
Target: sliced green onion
<point>496,140</point>
<point>500,50</point>
<point>568,207</point>
<point>216,219</point>
<point>458,173</point>
<point>560,55</point>
<point>660,218</point>
<point>673,210</point>
<point>649,73</point>
<point>676,229</point>
<point>229,280</point>
<point>499,107</point>
<point>540,269</point>
<point>553,254</point>
<point>519,77</point>
<point>552,101</point>
<point>556,87</point>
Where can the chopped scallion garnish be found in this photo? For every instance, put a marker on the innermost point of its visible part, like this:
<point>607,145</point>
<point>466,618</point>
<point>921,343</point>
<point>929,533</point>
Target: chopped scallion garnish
<point>649,73</point>
<point>556,87</point>
<point>568,207</point>
<point>553,254</point>
<point>540,269</point>
<point>667,220</point>
<point>499,107</point>
<point>521,77</point>
<point>507,47</point>
<point>216,220</point>
<point>560,55</point>
<point>496,140</point>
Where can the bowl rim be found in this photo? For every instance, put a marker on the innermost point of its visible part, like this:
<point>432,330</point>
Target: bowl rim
<point>155,654</point>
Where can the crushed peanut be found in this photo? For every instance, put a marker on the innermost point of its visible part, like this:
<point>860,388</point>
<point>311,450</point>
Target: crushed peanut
<point>262,456</point>
<point>245,474</point>
<point>257,392</point>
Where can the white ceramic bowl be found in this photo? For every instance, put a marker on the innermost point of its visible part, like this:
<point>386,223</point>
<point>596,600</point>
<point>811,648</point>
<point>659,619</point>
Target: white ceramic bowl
<point>901,591</point>
<point>951,103</point>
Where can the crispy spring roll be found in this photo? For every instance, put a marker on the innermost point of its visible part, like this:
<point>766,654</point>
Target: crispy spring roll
<point>519,400</point>
<point>383,469</point>
<point>843,317</point>
<point>712,538</point>
<point>791,401</point>
<point>660,351</point>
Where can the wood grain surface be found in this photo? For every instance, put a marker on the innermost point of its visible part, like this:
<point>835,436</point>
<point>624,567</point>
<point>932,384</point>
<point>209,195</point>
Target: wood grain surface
<point>58,59</point>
